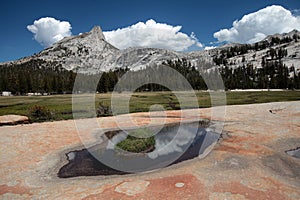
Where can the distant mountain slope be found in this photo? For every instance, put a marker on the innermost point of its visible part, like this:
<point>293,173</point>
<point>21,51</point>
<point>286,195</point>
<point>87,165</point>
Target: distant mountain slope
<point>90,53</point>
<point>271,63</point>
<point>279,47</point>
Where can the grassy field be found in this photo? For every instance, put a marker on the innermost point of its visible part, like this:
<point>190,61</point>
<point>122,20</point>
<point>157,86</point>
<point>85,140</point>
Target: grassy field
<point>61,105</point>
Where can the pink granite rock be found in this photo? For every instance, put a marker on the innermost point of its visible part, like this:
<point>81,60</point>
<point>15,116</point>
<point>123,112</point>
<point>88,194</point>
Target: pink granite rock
<point>13,120</point>
<point>249,163</point>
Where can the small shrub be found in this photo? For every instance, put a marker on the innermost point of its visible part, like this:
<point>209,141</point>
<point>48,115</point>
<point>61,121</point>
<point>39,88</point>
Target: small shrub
<point>204,123</point>
<point>103,110</point>
<point>39,113</point>
<point>172,105</point>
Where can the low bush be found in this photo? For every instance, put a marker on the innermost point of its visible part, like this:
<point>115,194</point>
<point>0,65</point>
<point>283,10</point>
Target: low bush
<point>103,110</point>
<point>38,113</point>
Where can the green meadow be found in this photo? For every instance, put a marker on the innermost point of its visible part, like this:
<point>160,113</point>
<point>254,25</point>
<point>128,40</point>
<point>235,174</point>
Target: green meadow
<point>61,105</point>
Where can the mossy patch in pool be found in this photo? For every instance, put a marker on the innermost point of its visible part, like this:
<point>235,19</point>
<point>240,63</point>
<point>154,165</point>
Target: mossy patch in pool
<point>137,145</point>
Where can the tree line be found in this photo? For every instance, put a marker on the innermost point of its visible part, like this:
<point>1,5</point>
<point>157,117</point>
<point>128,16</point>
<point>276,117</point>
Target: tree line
<point>274,75</point>
<point>39,76</point>
<point>35,76</point>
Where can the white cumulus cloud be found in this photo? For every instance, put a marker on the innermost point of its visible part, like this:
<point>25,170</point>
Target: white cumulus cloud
<point>151,34</point>
<point>49,30</point>
<point>256,26</point>
<point>210,47</point>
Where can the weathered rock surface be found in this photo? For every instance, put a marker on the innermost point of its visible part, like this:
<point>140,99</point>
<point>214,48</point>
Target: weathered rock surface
<point>91,53</point>
<point>13,120</point>
<point>250,162</point>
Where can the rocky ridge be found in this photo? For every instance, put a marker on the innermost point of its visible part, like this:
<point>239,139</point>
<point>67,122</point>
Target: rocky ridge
<point>90,53</point>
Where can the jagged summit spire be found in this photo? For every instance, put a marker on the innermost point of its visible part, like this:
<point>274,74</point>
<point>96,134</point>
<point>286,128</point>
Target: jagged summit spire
<point>97,30</point>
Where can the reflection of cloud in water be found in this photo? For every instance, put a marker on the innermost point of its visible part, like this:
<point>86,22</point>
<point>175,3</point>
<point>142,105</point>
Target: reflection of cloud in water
<point>71,155</point>
<point>174,144</point>
<point>115,140</point>
<point>166,143</point>
<point>295,152</point>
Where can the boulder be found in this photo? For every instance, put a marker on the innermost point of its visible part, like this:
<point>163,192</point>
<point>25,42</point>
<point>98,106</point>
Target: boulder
<point>13,120</point>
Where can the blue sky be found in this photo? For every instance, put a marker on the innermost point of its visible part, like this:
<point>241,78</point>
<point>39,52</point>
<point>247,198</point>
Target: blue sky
<point>203,18</point>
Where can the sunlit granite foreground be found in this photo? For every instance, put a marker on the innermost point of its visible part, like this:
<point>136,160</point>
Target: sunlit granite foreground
<point>249,162</point>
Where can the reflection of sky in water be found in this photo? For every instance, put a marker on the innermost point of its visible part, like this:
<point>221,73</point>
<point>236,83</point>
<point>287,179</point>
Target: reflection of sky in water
<point>173,144</point>
<point>168,142</point>
<point>295,153</point>
<point>71,155</point>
